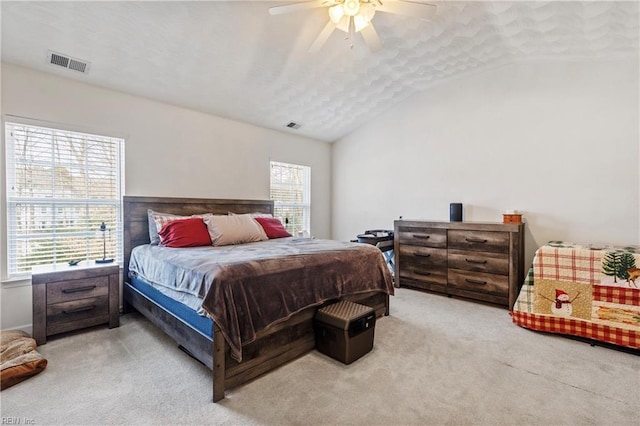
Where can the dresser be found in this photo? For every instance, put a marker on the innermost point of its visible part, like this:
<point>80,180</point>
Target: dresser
<point>475,260</point>
<point>67,298</point>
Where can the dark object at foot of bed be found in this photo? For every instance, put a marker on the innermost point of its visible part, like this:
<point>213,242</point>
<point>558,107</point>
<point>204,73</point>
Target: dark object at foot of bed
<point>345,331</point>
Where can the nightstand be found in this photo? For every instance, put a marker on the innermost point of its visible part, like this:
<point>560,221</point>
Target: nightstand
<point>67,298</point>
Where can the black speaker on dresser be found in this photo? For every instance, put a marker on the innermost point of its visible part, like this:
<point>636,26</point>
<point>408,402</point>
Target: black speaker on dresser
<point>455,212</point>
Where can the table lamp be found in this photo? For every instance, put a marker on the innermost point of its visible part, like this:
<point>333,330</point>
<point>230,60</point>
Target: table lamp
<point>103,229</point>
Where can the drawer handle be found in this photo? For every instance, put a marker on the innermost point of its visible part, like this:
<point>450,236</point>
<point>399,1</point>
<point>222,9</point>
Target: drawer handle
<point>421,236</point>
<point>475,281</point>
<point>479,262</point>
<point>75,311</point>
<point>423,254</point>
<point>78,290</point>
<point>425,274</point>
<point>475,240</point>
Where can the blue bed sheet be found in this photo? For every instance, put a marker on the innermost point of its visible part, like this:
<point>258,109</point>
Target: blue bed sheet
<point>185,313</point>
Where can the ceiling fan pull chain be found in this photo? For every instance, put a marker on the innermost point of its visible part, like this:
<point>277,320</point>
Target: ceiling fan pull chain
<point>352,31</point>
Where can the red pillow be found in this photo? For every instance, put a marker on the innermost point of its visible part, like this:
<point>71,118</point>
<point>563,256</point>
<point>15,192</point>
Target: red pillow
<point>272,227</point>
<point>191,232</point>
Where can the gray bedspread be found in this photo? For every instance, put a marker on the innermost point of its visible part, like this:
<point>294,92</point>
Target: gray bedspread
<point>246,288</point>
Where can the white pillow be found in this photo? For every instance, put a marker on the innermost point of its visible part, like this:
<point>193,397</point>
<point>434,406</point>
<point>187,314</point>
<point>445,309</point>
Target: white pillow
<point>235,229</point>
<point>254,215</point>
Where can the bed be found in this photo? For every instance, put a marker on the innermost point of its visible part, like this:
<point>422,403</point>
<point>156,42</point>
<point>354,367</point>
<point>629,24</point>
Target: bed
<point>587,291</point>
<point>236,355</point>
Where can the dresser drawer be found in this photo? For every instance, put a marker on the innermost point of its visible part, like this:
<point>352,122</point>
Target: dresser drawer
<point>65,291</point>
<point>493,263</point>
<point>491,241</point>
<point>77,310</point>
<point>425,237</point>
<point>423,273</point>
<point>479,282</point>
<point>424,255</point>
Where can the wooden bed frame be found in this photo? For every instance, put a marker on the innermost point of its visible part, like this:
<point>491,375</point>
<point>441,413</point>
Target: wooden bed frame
<point>272,348</point>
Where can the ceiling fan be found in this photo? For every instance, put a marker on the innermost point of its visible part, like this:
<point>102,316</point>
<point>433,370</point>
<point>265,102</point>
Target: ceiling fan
<point>354,16</point>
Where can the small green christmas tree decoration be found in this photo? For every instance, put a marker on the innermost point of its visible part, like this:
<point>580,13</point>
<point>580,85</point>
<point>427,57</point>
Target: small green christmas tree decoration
<point>611,264</point>
<point>626,261</point>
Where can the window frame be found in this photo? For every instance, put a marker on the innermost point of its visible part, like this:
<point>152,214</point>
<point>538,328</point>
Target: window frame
<point>8,202</point>
<point>306,195</point>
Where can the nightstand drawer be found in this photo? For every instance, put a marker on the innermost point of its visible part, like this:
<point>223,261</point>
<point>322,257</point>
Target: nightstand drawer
<point>65,291</point>
<point>77,310</point>
<point>495,242</point>
<point>493,263</point>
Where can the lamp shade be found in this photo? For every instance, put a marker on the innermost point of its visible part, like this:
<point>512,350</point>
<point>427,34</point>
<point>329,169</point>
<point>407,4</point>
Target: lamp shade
<point>341,14</point>
<point>351,7</point>
<point>360,22</point>
<point>336,13</point>
<point>343,25</point>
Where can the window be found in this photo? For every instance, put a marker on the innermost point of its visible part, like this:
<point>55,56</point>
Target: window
<point>61,186</point>
<point>291,193</point>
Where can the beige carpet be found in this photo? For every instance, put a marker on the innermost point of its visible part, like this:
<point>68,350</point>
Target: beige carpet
<point>436,361</point>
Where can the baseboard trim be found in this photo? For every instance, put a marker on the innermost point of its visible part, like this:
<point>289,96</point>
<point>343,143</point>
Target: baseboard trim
<point>28,328</point>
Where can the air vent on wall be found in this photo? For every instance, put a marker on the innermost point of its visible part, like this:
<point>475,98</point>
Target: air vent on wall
<point>293,125</point>
<point>66,61</point>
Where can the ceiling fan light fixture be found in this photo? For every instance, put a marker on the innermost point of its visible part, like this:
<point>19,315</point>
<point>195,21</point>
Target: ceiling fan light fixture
<point>360,22</point>
<point>342,19</point>
<point>351,7</point>
<point>343,25</point>
<point>353,16</point>
<point>336,13</point>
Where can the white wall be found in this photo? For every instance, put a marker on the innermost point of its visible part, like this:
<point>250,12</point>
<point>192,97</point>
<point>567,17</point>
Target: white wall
<point>169,151</point>
<point>557,141</point>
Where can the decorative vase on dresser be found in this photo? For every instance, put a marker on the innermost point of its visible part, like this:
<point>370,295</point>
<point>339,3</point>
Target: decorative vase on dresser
<point>475,260</point>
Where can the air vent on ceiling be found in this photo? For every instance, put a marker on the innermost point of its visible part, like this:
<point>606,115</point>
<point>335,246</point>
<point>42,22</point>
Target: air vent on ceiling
<point>66,61</point>
<point>293,125</point>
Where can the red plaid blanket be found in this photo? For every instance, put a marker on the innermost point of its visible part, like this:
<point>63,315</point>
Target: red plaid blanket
<point>583,291</point>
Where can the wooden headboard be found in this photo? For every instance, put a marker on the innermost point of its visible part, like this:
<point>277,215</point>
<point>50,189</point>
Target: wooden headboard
<point>136,224</point>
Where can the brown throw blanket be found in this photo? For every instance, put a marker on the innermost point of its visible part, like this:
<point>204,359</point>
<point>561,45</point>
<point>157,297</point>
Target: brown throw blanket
<point>248,297</point>
<point>19,359</point>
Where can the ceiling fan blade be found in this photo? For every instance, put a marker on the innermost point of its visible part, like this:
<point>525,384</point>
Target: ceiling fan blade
<point>294,7</point>
<point>322,37</point>
<point>409,8</point>
<point>371,38</point>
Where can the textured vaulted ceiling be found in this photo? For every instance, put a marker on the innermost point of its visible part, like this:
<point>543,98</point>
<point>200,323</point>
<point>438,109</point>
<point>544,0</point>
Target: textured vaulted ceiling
<point>235,60</point>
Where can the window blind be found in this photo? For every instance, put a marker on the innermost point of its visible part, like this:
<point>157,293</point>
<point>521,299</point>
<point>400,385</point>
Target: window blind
<point>61,186</point>
<point>291,192</point>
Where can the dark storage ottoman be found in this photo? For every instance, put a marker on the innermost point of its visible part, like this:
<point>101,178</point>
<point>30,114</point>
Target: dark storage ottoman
<point>344,330</point>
